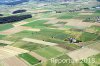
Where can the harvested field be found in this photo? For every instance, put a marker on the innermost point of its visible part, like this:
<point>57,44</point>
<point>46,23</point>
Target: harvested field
<point>14,30</point>
<point>6,42</point>
<point>95,45</point>
<point>9,51</point>
<point>33,29</point>
<point>76,22</point>
<point>39,41</point>
<point>82,53</point>
<point>13,61</point>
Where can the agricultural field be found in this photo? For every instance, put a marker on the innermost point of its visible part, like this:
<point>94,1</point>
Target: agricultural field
<point>48,52</point>
<point>29,58</point>
<point>50,33</point>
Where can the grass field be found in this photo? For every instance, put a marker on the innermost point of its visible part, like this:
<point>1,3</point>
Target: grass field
<point>5,26</point>
<point>51,35</point>
<point>28,45</point>
<point>94,62</point>
<point>86,36</point>
<point>1,36</point>
<point>67,62</point>
<point>30,59</point>
<point>67,15</point>
<point>37,24</point>
<point>48,52</point>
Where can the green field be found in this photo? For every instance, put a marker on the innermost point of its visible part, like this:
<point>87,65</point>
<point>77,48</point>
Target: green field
<point>2,44</point>
<point>28,45</point>
<point>5,26</point>
<point>1,36</point>
<point>37,24</point>
<point>48,52</point>
<point>86,36</point>
<point>51,35</point>
<point>30,59</point>
<point>67,15</point>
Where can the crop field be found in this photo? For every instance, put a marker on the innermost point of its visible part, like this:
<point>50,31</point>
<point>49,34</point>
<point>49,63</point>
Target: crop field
<point>50,32</point>
<point>67,15</point>
<point>37,24</point>
<point>48,52</point>
<point>28,45</point>
<point>5,27</point>
<point>29,58</point>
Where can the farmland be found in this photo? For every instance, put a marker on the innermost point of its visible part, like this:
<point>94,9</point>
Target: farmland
<point>45,33</point>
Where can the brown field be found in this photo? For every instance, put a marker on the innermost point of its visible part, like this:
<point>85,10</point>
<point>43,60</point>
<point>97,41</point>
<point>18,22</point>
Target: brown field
<point>6,42</point>
<point>14,30</point>
<point>95,45</point>
<point>82,53</point>
<point>13,61</point>
<point>9,51</point>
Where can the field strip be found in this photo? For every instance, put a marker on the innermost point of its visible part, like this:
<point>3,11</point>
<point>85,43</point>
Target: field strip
<point>34,29</point>
<point>9,51</point>
<point>13,61</point>
<point>38,56</point>
<point>20,23</point>
<point>6,42</point>
<point>14,30</point>
<point>16,49</point>
<point>82,53</point>
<point>39,41</point>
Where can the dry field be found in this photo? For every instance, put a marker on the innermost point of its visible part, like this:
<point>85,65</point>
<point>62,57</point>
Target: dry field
<point>13,61</point>
<point>14,30</point>
<point>39,41</point>
<point>82,53</point>
<point>9,51</point>
<point>34,29</point>
<point>6,42</point>
<point>86,13</point>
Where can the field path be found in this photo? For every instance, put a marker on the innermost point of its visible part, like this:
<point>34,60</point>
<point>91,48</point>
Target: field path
<point>39,41</point>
